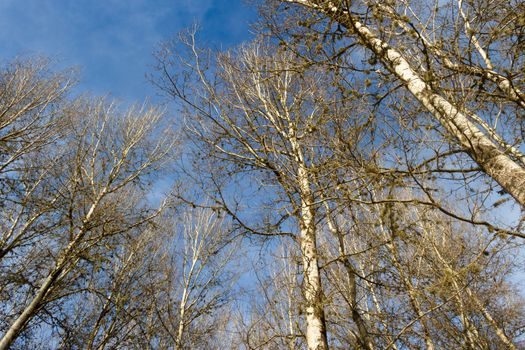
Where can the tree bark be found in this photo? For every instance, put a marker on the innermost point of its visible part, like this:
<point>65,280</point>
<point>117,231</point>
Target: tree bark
<point>315,319</point>
<point>313,292</point>
<point>28,313</point>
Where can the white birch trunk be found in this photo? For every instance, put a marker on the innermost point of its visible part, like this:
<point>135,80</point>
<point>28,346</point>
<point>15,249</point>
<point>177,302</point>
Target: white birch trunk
<point>313,293</point>
<point>29,311</point>
<point>499,331</point>
<point>412,296</point>
<point>315,321</point>
<point>38,300</point>
<point>182,314</point>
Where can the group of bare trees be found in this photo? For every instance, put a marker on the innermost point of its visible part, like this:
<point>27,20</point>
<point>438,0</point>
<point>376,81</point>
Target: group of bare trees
<point>88,260</point>
<point>371,150</point>
<point>377,141</point>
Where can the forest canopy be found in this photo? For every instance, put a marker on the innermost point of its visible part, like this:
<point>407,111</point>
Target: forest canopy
<point>351,178</point>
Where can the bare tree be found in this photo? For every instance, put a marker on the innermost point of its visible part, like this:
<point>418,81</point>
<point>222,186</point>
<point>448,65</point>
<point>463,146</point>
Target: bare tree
<point>99,178</point>
<point>196,253</point>
<point>32,100</point>
<point>409,294</point>
<point>261,114</point>
<point>165,285</point>
<point>453,57</point>
<point>272,318</point>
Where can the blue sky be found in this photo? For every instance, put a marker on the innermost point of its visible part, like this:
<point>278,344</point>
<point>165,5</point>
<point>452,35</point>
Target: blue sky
<point>112,40</point>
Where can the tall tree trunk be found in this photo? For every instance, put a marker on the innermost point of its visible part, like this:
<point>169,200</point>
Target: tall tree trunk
<point>313,292</point>
<point>412,294</point>
<point>312,289</point>
<point>30,311</point>
<point>495,162</point>
<point>182,317</point>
